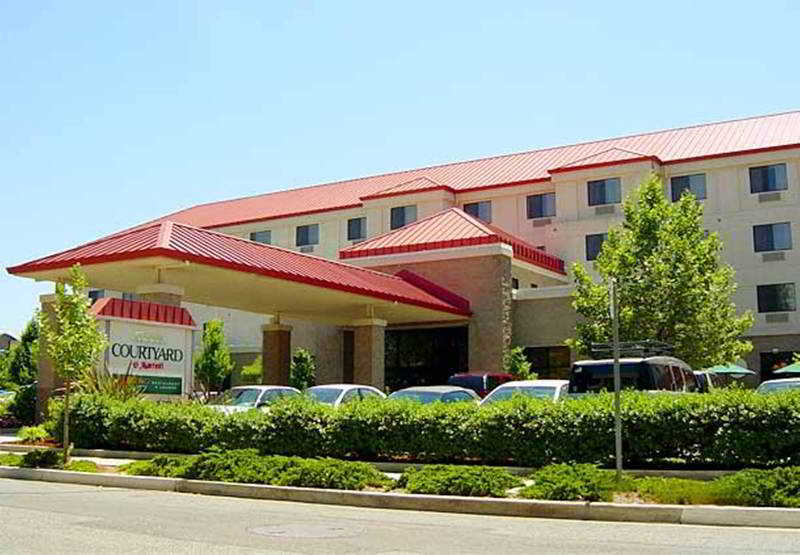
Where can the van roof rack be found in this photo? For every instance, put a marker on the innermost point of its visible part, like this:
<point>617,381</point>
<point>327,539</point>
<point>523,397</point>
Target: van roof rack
<point>644,348</point>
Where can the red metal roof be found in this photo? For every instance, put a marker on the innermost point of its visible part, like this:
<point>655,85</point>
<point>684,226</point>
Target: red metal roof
<point>418,185</point>
<point>606,158</point>
<point>139,310</point>
<point>447,229</point>
<point>711,140</point>
<point>183,242</point>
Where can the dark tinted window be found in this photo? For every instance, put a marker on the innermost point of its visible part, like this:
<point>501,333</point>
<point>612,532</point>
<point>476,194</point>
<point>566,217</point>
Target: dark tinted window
<point>695,184</point>
<point>261,237</point>
<point>604,191</point>
<point>481,210</point>
<point>402,215</point>
<point>594,244</point>
<point>307,235</point>
<point>772,237</point>
<point>356,229</point>
<point>768,178</point>
<point>541,206</point>
<point>777,297</point>
<point>600,377</point>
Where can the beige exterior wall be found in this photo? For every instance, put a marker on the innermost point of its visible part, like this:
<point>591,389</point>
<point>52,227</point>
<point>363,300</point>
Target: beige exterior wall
<point>543,321</point>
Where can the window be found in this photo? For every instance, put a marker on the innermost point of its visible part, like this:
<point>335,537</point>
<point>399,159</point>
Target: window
<point>594,244</point>
<point>402,216</point>
<point>772,237</point>
<point>541,206</point>
<point>481,210</point>
<point>695,184</point>
<point>261,237</point>
<point>96,294</point>
<point>604,191</point>
<point>130,297</point>
<point>514,283</point>
<point>307,235</point>
<point>356,229</point>
<point>778,297</point>
<point>768,178</point>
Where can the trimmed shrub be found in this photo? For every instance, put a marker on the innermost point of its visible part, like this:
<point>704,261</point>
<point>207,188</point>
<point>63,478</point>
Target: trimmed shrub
<point>23,406</point>
<point>81,466</point>
<point>43,458</point>
<point>10,459</point>
<point>248,467</point>
<point>727,429</point>
<point>563,482</point>
<point>760,488</point>
<point>473,481</point>
<point>33,433</point>
<point>676,491</point>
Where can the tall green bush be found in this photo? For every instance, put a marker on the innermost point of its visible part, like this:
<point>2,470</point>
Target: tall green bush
<point>516,363</point>
<point>303,369</point>
<point>214,362</point>
<point>726,429</point>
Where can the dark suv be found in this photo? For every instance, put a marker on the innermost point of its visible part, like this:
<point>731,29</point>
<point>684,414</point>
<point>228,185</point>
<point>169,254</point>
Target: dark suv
<point>657,373</point>
<point>482,384</point>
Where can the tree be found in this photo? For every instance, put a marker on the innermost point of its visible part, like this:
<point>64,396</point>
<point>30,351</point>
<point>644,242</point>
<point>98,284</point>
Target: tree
<point>302,370</point>
<point>21,363</point>
<point>74,342</point>
<point>214,363</point>
<point>672,285</point>
<point>517,364</point>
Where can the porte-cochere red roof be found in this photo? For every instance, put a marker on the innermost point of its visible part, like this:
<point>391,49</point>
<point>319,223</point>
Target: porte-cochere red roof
<point>141,310</point>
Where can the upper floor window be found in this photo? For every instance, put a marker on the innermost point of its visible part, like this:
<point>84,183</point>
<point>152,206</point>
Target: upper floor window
<point>778,297</point>
<point>402,215</point>
<point>695,184</point>
<point>356,229</point>
<point>96,294</point>
<point>541,206</point>
<point>481,210</point>
<point>261,237</point>
<point>514,283</point>
<point>768,178</point>
<point>772,237</point>
<point>307,235</point>
<point>594,244</point>
<point>130,297</point>
<point>604,191</point>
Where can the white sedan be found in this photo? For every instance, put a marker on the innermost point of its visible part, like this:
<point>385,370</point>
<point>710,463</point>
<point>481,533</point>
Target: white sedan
<point>246,397</point>
<point>337,394</point>
<point>779,386</point>
<point>549,390</point>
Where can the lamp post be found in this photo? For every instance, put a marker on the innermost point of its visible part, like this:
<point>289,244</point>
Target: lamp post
<point>617,378</point>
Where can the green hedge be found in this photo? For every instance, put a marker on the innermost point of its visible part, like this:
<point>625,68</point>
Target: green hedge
<point>729,429</point>
<point>472,481</point>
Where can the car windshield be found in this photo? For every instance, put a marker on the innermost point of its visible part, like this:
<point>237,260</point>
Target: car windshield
<point>273,395</point>
<point>245,397</point>
<point>327,395</point>
<point>535,392</point>
<point>777,387</point>
<point>424,397</point>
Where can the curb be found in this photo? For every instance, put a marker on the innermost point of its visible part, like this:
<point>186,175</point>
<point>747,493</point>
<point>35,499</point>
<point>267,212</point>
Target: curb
<point>382,466</point>
<point>574,510</point>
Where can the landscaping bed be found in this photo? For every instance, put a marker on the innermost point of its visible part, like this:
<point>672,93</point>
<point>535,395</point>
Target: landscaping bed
<point>727,430</point>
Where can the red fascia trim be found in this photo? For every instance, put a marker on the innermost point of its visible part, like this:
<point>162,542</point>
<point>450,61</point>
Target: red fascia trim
<point>240,268</point>
<point>279,216</point>
<point>731,154</point>
<point>605,164</point>
<point>504,185</point>
<point>433,245</point>
<point>435,289</point>
<point>411,192</point>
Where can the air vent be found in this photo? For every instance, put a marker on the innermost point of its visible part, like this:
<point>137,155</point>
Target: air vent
<point>605,210</point>
<point>773,256</point>
<point>307,248</point>
<point>541,222</point>
<point>779,318</point>
<point>769,197</point>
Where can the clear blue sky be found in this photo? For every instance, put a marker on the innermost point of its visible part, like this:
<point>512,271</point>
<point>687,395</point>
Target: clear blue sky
<point>115,113</point>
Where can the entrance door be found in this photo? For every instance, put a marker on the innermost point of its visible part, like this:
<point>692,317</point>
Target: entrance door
<point>424,356</point>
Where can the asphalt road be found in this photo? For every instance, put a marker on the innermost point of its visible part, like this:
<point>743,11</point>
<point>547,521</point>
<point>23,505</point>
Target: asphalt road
<point>38,517</point>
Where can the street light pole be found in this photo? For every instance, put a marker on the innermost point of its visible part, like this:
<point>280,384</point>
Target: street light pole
<point>617,378</point>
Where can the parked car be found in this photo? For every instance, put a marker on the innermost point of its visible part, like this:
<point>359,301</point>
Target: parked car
<point>482,384</point>
<point>710,381</point>
<point>436,393</point>
<point>338,394</point>
<point>657,373</point>
<point>548,390</point>
<point>779,386</point>
<point>247,397</point>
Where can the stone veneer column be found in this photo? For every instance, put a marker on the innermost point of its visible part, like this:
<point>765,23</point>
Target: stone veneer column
<point>276,354</point>
<point>161,293</point>
<point>47,379</point>
<point>369,348</point>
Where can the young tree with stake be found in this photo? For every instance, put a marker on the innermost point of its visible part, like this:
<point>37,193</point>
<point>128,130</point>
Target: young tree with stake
<point>72,338</point>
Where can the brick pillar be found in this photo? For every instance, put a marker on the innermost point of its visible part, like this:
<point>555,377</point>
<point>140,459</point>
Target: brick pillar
<point>276,354</point>
<point>161,293</point>
<point>369,352</point>
<point>47,379</point>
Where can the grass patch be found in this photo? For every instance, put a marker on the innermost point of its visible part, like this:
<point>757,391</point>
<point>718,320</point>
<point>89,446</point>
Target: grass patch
<point>81,466</point>
<point>473,481</point>
<point>676,491</point>
<point>10,460</point>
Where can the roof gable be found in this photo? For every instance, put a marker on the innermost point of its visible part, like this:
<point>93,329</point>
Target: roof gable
<point>609,157</point>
